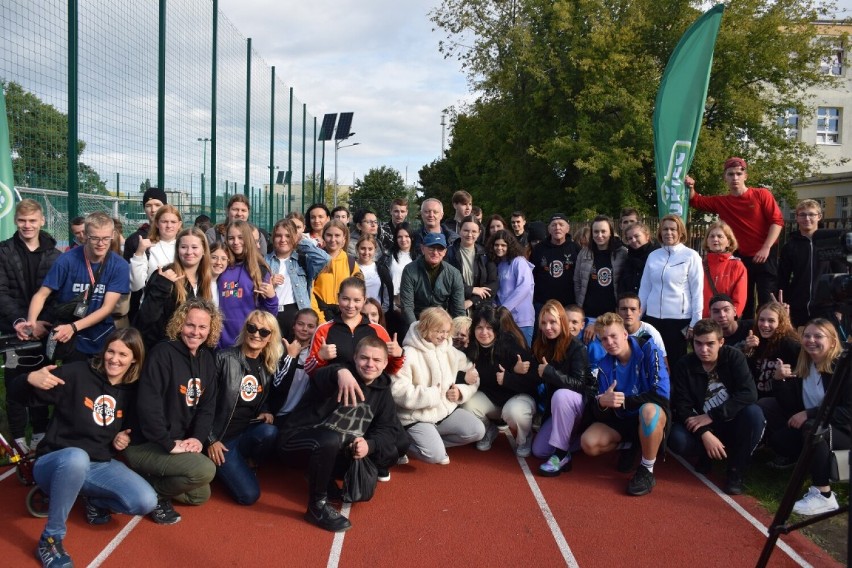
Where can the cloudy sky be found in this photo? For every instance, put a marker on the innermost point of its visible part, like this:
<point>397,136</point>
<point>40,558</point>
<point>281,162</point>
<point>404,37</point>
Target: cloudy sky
<point>376,58</point>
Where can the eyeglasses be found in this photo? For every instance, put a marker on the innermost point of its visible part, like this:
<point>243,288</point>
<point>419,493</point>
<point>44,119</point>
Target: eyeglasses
<point>99,240</point>
<point>807,215</point>
<point>252,329</point>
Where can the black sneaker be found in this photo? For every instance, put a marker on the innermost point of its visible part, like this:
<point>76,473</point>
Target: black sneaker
<point>641,483</point>
<point>164,513</point>
<point>51,553</point>
<point>734,484</point>
<point>96,515</point>
<point>384,474</point>
<point>323,515</point>
<point>627,458</point>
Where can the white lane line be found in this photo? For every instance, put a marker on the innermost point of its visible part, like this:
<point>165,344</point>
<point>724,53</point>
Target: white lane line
<point>337,544</point>
<point>555,530</point>
<point>9,473</point>
<point>743,513</point>
<point>113,544</point>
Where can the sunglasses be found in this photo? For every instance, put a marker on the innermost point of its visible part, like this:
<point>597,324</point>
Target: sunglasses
<point>252,329</point>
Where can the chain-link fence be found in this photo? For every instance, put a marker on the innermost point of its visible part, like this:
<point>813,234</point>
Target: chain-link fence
<point>123,146</point>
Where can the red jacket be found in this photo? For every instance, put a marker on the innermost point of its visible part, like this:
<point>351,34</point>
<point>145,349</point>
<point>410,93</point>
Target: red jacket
<point>337,333</point>
<point>728,275</point>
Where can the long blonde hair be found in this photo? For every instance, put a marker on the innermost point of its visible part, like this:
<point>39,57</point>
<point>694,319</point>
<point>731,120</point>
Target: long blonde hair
<point>274,349</point>
<point>803,365</point>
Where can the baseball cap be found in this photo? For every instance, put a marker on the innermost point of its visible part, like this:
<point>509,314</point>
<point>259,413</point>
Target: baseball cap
<point>434,240</point>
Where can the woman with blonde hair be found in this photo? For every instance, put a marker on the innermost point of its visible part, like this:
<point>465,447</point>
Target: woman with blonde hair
<point>427,393</point>
<point>242,429</point>
<point>671,292</point>
<point>187,277</point>
<point>335,235</point>
<point>800,392</point>
<point>175,408</point>
<point>158,250</point>
<point>724,273</point>
<point>245,285</point>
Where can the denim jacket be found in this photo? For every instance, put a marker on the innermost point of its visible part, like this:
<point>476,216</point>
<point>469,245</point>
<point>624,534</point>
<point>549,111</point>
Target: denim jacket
<point>302,267</point>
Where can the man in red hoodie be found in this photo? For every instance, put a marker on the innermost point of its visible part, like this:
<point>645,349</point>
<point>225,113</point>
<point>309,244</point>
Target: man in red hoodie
<point>753,214</point>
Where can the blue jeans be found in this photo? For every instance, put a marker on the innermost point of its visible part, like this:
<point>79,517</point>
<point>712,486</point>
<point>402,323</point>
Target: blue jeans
<point>256,443</point>
<point>527,330</point>
<point>740,436</point>
<point>66,473</point>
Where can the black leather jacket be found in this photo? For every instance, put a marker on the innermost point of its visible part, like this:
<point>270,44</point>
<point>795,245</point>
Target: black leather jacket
<point>232,367</point>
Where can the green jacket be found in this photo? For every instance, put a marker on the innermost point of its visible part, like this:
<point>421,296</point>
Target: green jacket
<point>416,292</point>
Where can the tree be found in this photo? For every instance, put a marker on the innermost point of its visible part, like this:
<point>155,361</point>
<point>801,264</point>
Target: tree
<point>377,189</point>
<point>567,88</point>
<point>39,138</point>
<point>145,185</point>
<point>325,196</point>
<point>90,181</point>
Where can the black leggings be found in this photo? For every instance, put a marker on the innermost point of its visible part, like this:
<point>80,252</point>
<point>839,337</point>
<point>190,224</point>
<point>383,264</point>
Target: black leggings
<point>788,442</point>
<point>671,330</point>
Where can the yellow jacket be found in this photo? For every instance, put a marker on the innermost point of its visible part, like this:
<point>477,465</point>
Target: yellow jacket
<point>327,282</point>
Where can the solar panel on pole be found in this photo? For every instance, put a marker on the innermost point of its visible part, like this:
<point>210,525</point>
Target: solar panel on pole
<point>327,129</point>
<point>343,126</point>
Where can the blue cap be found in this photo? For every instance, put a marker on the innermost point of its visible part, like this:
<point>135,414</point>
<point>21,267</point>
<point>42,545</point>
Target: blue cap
<point>434,240</point>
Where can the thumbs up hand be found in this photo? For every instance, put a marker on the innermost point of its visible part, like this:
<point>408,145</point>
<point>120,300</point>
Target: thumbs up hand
<point>521,366</point>
<point>394,350</point>
<point>751,341</point>
<point>542,366</point>
<point>611,398</point>
<point>328,351</point>
<point>500,375</point>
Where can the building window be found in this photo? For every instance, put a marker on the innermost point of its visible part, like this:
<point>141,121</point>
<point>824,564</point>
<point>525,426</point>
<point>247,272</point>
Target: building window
<point>844,211</point>
<point>828,125</point>
<point>789,123</point>
<point>832,64</point>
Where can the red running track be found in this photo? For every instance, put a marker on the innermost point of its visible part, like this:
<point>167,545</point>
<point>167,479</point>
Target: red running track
<point>484,509</point>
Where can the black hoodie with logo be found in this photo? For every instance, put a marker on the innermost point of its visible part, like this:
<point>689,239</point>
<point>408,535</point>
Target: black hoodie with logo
<point>177,395</point>
<point>88,410</point>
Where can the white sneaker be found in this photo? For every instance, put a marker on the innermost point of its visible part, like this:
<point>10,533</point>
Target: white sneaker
<point>403,460</point>
<point>488,439</point>
<point>813,503</point>
<point>445,461</point>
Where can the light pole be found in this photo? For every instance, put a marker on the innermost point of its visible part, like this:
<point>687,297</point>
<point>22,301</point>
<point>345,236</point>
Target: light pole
<point>337,147</point>
<point>204,170</point>
<point>443,131</point>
